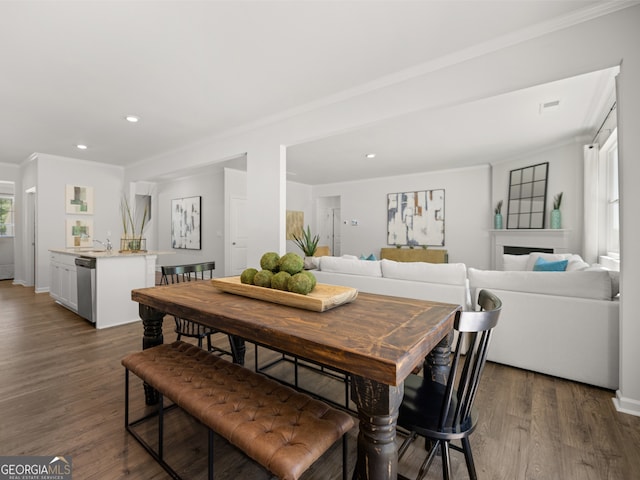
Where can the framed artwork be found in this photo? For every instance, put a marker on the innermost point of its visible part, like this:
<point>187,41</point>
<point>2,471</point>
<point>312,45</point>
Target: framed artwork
<point>295,223</point>
<point>416,218</point>
<point>527,196</point>
<point>79,200</point>
<point>185,223</point>
<point>79,232</point>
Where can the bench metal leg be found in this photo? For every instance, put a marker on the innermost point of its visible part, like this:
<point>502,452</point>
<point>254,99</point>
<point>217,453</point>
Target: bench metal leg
<point>210,456</point>
<point>157,456</point>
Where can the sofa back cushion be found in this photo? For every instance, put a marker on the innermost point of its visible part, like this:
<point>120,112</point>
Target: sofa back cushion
<point>584,284</point>
<point>351,266</point>
<point>445,273</point>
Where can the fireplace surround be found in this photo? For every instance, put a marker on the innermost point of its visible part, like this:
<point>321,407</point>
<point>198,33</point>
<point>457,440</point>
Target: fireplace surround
<point>521,242</point>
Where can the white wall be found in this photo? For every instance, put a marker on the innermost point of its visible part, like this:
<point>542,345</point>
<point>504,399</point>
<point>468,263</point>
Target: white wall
<point>53,174</point>
<point>468,211</point>
<point>209,186</point>
<point>566,171</point>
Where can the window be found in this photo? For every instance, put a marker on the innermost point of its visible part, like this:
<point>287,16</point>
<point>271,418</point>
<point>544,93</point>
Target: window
<point>6,216</point>
<point>609,155</point>
<point>608,204</point>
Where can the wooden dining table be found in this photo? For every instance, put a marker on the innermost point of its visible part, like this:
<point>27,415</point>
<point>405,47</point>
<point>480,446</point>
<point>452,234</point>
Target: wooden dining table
<point>378,340</point>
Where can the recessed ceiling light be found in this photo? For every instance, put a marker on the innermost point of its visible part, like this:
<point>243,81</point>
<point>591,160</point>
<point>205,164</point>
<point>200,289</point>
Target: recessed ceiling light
<point>81,146</point>
<point>132,118</point>
<point>370,155</point>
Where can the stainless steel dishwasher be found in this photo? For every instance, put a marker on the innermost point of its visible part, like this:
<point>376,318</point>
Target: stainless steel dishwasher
<point>86,268</point>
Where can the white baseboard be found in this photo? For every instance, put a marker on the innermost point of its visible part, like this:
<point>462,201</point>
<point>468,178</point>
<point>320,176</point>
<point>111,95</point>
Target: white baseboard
<point>626,405</point>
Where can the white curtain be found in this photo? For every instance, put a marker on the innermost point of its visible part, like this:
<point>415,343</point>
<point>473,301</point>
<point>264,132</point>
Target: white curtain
<point>591,195</point>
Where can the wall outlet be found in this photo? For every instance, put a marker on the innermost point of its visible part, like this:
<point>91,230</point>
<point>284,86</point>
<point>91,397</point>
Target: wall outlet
<point>355,223</point>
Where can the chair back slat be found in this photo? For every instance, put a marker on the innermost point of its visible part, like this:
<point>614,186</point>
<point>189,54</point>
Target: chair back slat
<point>185,273</point>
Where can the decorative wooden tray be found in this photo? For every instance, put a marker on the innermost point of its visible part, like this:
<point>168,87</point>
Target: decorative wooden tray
<point>323,297</point>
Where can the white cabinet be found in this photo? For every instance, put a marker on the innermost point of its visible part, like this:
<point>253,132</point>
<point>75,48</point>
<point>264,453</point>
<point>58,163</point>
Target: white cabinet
<point>64,280</point>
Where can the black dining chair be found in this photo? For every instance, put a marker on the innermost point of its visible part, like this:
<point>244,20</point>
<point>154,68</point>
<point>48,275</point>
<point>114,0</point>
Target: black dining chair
<point>443,413</point>
<point>186,328</point>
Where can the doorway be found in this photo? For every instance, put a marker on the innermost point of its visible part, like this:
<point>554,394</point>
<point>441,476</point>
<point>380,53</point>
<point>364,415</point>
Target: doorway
<point>330,223</point>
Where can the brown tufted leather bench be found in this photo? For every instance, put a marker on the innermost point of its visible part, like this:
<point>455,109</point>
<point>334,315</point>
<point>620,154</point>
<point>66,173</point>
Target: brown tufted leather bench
<point>283,430</point>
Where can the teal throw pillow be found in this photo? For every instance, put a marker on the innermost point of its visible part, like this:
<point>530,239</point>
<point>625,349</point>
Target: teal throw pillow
<point>371,257</point>
<point>543,265</point>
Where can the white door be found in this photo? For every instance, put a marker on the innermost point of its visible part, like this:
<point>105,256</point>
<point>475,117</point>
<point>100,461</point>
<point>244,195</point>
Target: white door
<point>238,237</point>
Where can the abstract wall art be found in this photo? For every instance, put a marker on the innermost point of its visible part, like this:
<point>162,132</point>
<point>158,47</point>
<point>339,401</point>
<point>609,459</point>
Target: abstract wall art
<point>415,218</point>
<point>295,223</point>
<point>79,200</point>
<point>79,232</point>
<point>185,223</point>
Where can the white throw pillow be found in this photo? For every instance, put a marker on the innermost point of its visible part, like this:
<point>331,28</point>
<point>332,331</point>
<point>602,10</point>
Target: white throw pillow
<point>514,263</point>
<point>351,266</point>
<point>444,273</point>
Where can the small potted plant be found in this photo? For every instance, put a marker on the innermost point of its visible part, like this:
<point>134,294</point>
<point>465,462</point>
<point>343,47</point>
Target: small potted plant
<point>556,217</point>
<point>497,219</point>
<point>307,243</point>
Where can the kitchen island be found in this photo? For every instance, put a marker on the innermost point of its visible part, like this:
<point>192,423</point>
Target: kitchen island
<point>115,275</point>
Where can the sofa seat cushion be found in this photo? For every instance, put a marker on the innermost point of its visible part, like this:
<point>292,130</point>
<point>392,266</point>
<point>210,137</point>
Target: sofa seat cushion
<point>351,266</point>
<point>444,273</point>
<point>583,284</point>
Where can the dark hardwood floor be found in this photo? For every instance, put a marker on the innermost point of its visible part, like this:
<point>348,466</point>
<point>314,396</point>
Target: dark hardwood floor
<point>62,393</point>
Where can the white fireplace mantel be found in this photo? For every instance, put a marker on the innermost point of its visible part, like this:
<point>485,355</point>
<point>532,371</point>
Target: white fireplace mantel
<point>556,239</point>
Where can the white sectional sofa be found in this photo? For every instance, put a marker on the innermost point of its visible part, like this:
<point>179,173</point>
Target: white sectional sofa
<point>563,324</point>
<point>440,282</point>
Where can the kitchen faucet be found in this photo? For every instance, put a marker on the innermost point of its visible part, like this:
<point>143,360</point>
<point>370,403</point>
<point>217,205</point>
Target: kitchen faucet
<point>106,245</point>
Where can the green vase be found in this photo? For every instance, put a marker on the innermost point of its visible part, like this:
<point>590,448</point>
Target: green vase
<point>497,221</point>
<point>556,219</point>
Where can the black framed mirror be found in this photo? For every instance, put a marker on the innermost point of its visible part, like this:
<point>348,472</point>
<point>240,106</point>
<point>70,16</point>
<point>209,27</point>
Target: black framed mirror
<point>527,196</point>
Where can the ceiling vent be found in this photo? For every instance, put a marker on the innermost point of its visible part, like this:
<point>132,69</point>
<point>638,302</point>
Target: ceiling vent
<point>549,106</point>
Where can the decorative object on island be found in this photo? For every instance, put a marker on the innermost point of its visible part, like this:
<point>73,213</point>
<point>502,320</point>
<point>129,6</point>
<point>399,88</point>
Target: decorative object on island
<point>527,197</point>
<point>133,225</point>
<point>556,217</point>
<point>308,244</point>
<point>79,200</point>
<point>415,218</point>
<point>185,223</point>
<point>497,219</point>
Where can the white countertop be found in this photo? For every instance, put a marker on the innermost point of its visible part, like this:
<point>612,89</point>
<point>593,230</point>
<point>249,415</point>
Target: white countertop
<point>102,253</point>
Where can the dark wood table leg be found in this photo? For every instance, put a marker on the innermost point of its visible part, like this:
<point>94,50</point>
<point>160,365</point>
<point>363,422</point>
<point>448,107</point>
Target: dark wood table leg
<point>152,322</point>
<point>378,406</point>
<point>436,364</point>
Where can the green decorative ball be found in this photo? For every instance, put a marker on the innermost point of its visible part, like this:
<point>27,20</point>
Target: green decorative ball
<point>247,276</point>
<point>269,261</point>
<point>263,278</point>
<point>280,281</point>
<point>291,263</point>
<point>300,283</point>
<point>312,277</point>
